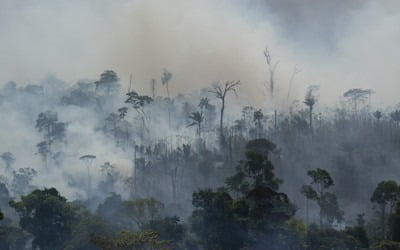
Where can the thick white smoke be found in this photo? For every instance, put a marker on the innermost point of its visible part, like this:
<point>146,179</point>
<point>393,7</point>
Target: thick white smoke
<point>337,46</point>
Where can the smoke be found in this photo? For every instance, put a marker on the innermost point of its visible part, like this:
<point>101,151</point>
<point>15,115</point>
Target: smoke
<point>337,45</point>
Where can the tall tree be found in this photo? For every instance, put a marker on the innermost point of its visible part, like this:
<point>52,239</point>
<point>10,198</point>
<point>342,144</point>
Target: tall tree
<point>395,116</point>
<point>166,77</point>
<point>47,216</point>
<point>108,82</point>
<point>357,96</point>
<point>327,202</point>
<point>47,123</point>
<point>88,159</point>
<point>220,92</point>
<point>257,118</point>
<point>309,100</point>
<point>153,84</point>
<point>271,68</point>
<point>197,118</point>
<point>139,102</point>
<point>386,194</point>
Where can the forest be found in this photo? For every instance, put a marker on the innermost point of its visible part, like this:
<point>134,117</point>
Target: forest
<point>199,125</point>
<point>195,171</point>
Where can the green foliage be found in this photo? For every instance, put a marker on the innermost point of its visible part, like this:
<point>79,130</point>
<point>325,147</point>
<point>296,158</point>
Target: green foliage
<point>325,239</point>
<point>126,240</point>
<point>141,211</point>
<point>13,238</point>
<point>309,192</point>
<point>218,221</point>
<point>386,245</point>
<point>327,202</point>
<point>257,170</point>
<point>387,192</point>
<point>47,216</point>
<point>168,228</point>
<point>85,225</point>
<point>257,216</point>
<point>321,178</point>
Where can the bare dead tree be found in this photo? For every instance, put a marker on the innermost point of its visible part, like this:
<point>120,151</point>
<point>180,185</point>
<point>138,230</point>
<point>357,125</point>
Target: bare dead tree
<point>296,71</point>
<point>272,68</point>
<point>220,92</point>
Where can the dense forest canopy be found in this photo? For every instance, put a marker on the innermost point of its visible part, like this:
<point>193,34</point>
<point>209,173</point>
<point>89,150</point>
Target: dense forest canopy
<point>191,133</point>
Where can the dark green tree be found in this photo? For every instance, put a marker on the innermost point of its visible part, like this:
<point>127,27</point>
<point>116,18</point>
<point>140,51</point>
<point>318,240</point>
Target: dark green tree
<point>127,240</point>
<point>218,221</point>
<point>386,195</point>
<point>47,216</point>
<point>256,171</point>
<point>327,202</point>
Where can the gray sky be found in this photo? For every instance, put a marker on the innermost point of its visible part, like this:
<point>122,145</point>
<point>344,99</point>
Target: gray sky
<point>337,44</point>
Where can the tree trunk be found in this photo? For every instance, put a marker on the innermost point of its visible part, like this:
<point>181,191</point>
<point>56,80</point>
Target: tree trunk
<point>221,122</point>
<point>89,183</point>
<point>383,221</point>
<point>310,114</point>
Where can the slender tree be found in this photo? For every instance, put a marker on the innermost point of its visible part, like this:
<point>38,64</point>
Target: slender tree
<point>257,118</point>
<point>197,118</point>
<point>386,194</point>
<point>271,68</point>
<point>357,96</point>
<point>316,190</point>
<point>88,159</point>
<point>220,92</point>
<point>108,82</point>
<point>309,100</point>
<point>166,77</point>
<point>153,84</point>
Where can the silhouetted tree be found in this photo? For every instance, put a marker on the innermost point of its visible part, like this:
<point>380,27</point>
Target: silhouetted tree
<point>47,216</point>
<point>357,96</point>
<point>327,202</point>
<point>386,194</point>
<point>108,82</point>
<point>197,118</point>
<point>88,159</point>
<point>310,99</point>
<point>272,68</point>
<point>220,92</point>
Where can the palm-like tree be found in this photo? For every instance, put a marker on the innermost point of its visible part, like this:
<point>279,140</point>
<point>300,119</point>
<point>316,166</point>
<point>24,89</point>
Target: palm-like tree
<point>257,118</point>
<point>310,100</point>
<point>167,76</point>
<point>197,118</point>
